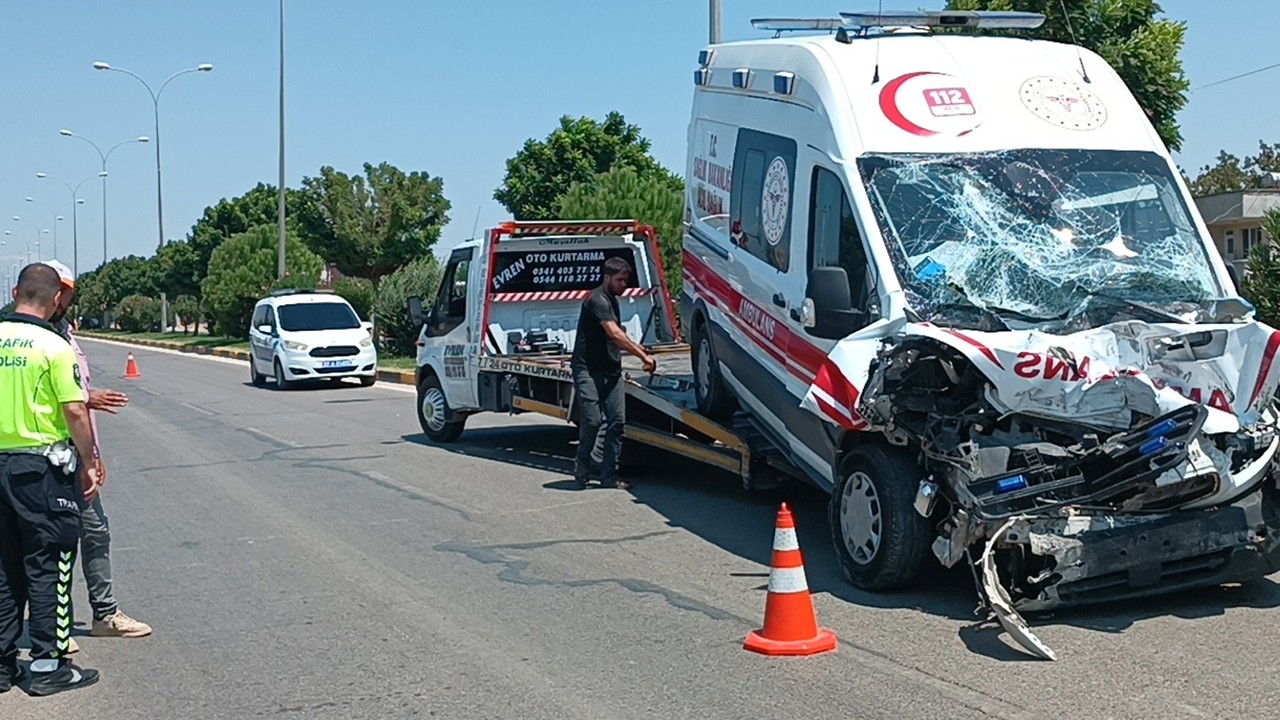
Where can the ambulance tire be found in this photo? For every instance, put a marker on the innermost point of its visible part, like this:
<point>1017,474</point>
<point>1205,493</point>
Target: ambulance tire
<point>434,425</point>
<point>881,541</point>
<point>368,380</point>
<point>713,397</point>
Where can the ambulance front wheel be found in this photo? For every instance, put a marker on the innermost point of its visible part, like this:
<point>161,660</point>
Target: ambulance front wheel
<point>433,412</point>
<point>881,541</point>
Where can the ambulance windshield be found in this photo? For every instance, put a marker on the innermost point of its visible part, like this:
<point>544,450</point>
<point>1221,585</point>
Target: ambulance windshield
<point>1047,237</point>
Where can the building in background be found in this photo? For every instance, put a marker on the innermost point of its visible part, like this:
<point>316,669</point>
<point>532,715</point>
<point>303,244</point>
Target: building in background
<point>1235,221</point>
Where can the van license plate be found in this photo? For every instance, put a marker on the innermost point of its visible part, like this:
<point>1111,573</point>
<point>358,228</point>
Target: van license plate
<point>336,363</point>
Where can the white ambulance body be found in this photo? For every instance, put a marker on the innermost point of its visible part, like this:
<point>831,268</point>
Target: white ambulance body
<point>944,269</point>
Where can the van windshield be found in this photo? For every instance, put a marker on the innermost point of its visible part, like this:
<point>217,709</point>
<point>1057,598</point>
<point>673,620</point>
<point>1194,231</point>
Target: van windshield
<point>302,317</point>
<point>1038,236</point>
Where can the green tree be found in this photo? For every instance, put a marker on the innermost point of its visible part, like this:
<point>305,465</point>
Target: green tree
<point>576,152</point>
<point>242,271</point>
<point>359,292</point>
<point>655,199</point>
<point>391,310</point>
<point>369,226</point>
<point>237,215</point>
<point>102,289</point>
<point>187,309</point>
<point>137,313</point>
<point>1230,173</point>
<point>177,269</point>
<point>1261,284</point>
<point>1141,47</point>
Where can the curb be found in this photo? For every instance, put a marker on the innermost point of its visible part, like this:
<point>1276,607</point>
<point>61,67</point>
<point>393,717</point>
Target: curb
<point>397,377</point>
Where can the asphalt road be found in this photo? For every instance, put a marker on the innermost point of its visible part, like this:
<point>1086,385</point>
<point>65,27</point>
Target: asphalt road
<point>307,554</point>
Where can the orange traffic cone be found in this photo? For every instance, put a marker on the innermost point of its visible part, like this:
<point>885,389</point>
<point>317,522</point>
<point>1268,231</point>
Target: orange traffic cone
<point>131,369</point>
<point>790,622</point>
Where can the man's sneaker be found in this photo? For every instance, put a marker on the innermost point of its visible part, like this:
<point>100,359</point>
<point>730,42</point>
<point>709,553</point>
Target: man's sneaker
<point>66,677</point>
<point>119,625</point>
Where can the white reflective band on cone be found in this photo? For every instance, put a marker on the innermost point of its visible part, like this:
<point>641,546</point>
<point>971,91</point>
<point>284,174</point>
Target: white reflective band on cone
<point>785,539</point>
<point>787,580</point>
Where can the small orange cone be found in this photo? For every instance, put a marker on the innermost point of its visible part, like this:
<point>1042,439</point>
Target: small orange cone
<point>790,622</point>
<point>131,369</point>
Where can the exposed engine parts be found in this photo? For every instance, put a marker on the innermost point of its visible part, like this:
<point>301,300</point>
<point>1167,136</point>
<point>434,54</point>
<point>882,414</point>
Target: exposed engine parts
<point>1034,501</point>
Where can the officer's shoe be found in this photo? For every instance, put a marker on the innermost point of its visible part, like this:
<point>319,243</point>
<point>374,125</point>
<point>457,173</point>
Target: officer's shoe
<point>8,674</point>
<point>66,677</point>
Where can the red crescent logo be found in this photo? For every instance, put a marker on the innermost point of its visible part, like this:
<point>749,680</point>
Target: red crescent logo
<point>889,105</point>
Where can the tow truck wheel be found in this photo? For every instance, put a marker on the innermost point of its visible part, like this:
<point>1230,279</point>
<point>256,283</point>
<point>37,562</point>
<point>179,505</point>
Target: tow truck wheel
<point>709,391</point>
<point>881,540</point>
<point>433,412</point>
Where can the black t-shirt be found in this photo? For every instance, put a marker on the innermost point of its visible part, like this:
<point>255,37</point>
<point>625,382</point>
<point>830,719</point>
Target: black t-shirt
<point>592,349</point>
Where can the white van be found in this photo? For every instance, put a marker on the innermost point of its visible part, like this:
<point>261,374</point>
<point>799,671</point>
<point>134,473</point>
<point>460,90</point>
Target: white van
<point>961,280</point>
<point>300,335</point>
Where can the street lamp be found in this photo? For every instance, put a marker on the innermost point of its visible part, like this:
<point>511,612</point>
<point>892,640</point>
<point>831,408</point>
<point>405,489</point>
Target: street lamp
<point>155,101</point>
<point>38,230</point>
<point>75,203</point>
<point>103,156</point>
<point>56,219</point>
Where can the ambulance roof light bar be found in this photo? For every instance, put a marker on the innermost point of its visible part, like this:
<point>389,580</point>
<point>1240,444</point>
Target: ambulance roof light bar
<point>984,19</point>
<point>797,24</point>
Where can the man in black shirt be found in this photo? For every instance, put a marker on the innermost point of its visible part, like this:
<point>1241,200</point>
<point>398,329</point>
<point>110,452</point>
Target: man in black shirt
<point>597,374</point>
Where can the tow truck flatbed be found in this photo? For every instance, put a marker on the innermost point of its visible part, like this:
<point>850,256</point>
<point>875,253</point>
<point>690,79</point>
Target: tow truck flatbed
<point>661,409</point>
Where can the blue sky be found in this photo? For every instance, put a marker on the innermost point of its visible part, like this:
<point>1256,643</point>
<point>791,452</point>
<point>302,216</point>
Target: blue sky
<point>452,88</point>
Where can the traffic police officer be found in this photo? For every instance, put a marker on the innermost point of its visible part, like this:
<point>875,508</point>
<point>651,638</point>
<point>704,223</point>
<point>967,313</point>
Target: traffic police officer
<point>44,483</point>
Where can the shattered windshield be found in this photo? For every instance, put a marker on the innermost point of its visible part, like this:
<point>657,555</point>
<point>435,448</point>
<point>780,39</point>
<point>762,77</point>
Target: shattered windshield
<point>1039,235</point>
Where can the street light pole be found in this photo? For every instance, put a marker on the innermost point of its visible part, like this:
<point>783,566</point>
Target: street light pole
<point>38,230</point>
<point>155,102</point>
<point>56,219</point>
<point>75,201</point>
<point>104,157</point>
<point>280,209</point>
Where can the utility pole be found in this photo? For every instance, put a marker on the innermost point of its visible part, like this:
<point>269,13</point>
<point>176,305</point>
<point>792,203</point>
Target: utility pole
<point>280,200</point>
<point>715,21</point>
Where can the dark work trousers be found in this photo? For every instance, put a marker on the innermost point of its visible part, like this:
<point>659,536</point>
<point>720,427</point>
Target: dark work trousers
<point>602,416</point>
<point>39,529</point>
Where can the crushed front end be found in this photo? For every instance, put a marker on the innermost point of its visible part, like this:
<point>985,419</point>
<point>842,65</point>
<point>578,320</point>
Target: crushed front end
<point>1108,486</point>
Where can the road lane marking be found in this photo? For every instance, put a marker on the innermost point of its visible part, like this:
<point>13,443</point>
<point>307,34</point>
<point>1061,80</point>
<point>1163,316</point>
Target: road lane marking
<point>197,408</point>
<point>263,435</point>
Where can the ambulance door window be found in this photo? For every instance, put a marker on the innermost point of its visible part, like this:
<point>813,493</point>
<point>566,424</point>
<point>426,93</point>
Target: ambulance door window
<point>834,237</point>
<point>763,189</point>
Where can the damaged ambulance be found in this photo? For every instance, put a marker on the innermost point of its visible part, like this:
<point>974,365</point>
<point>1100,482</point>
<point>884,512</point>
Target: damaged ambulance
<point>958,281</point>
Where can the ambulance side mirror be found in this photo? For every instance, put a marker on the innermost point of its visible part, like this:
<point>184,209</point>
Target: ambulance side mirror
<point>416,315</point>
<point>833,315</point>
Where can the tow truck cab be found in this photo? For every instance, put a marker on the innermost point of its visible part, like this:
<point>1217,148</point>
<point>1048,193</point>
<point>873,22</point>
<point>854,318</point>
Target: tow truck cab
<point>516,293</point>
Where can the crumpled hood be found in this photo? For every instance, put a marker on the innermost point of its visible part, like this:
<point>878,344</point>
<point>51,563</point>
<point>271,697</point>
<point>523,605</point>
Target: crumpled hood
<point>1096,376</point>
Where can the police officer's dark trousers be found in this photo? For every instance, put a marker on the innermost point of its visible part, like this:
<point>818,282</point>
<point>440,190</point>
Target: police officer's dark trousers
<point>39,527</point>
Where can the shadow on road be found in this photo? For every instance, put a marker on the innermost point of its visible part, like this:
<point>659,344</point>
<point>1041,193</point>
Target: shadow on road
<point>712,505</point>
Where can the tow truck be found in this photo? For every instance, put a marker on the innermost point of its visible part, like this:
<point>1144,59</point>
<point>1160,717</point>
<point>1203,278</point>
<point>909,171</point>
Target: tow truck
<point>499,334</point>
